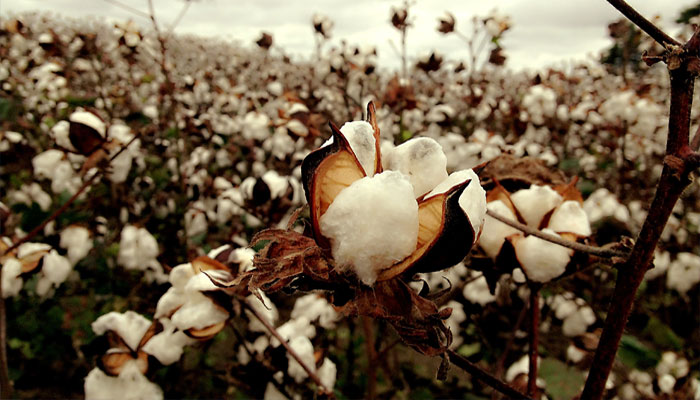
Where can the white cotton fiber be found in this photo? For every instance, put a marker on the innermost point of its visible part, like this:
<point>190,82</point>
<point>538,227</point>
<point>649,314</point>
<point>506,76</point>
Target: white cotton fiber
<point>529,251</point>
<point>495,231</point>
<point>305,350</point>
<point>372,224</point>
<point>76,239</point>
<point>535,202</point>
<point>167,346</point>
<point>130,326</point>
<point>198,312</point>
<point>88,119</point>
<point>422,161</point>
<point>569,217</point>
<point>472,200</point>
<point>360,135</point>
<point>129,385</point>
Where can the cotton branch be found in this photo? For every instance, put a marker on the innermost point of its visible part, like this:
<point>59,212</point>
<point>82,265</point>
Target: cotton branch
<point>644,24</point>
<point>291,351</point>
<point>596,251</point>
<point>478,373</point>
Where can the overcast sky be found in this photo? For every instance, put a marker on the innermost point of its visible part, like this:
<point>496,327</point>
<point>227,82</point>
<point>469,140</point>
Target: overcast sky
<point>544,32</point>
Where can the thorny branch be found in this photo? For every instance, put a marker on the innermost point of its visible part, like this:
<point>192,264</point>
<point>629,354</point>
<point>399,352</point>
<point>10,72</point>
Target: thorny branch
<point>596,251</point>
<point>678,164</point>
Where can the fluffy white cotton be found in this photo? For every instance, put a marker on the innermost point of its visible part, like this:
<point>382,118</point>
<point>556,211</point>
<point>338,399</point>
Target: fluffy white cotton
<point>129,385</point>
<point>601,204</point>
<point>198,312</point>
<point>569,217</point>
<point>305,350</point>
<point>535,202</point>
<point>477,292</point>
<point>314,307</point>
<point>60,133</point>
<point>76,239</point>
<point>327,373</point>
<point>684,272</point>
<point>272,393</point>
<point>457,317</point>
<point>578,322</point>
<point>422,161</point>
<point>529,251</point>
<point>121,165</point>
<point>495,232</point>
<point>574,354</point>
<point>673,365</point>
<point>294,327</point>
<point>30,248</point>
<point>137,248</point>
<point>278,184</point>
<point>11,280</point>
<point>88,119</point>
<point>267,311</point>
<point>54,271</point>
<point>360,135</point>
<point>372,224</point>
<point>169,302</point>
<point>130,326</point>
<point>168,345</point>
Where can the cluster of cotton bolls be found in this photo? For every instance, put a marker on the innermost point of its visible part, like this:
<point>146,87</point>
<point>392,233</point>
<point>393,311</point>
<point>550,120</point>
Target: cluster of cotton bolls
<point>216,135</point>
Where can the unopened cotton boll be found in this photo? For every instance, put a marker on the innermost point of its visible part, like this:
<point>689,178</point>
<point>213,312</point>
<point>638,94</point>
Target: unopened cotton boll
<point>422,161</point>
<point>372,224</point>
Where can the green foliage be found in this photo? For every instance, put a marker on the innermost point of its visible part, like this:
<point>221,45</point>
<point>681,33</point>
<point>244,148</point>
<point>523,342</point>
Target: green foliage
<point>636,354</point>
<point>564,382</point>
<point>688,13</point>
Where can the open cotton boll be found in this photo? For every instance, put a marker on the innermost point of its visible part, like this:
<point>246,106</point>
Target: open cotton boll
<point>55,270</point>
<point>529,251</point>
<point>294,327</point>
<point>535,202</point>
<point>360,135</point>
<point>372,224</point>
<point>88,119</point>
<point>130,326</point>
<point>422,161</point>
<point>684,272</point>
<point>26,249</point>
<point>278,184</point>
<point>198,312</point>
<point>76,239</point>
<point>472,200</point>
<point>170,301</point>
<point>267,311</point>
<point>11,280</point>
<point>569,217</point>
<point>327,373</point>
<point>578,322</point>
<point>495,232</point>
<point>167,346</point>
<point>305,350</point>
<point>315,307</point>
<point>477,292</point>
<point>129,385</point>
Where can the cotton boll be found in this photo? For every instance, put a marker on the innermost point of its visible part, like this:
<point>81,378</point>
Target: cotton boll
<point>170,301</point>
<point>305,350</point>
<point>129,385</point>
<point>495,232</point>
<point>535,202</point>
<point>477,292</point>
<point>577,323</point>
<point>574,354</point>
<point>327,373</point>
<point>372,224</point>
<point>666,383</point>
<point>472,201</point>
<point>457,317</point>
<point>272,393</point>
<point>314,307</point>
<point>168,345</point>
<point>137,248</point>
<point>54,271</point>
<point>422,161</point>
<point>88,119</point>
<point>278,185</point>
<point>267,310</point>
<point>76,239</point>
<point>198,312</point>
<point>684,272</point>
<point>294,327</point>
<point>360,135</point>
<point>569,217</point>
<point>529,251</point>
<point>11,280</point>
<point>130,326</point>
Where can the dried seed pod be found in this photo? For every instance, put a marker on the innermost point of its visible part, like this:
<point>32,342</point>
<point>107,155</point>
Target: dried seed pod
<point>114,361</point>
<point>86,132</point>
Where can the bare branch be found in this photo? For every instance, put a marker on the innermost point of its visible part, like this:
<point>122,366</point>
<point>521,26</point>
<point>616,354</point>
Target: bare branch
<point>596,251</point>
<point>478,373</point>
<point>129,8</point>
<point>647,26</point>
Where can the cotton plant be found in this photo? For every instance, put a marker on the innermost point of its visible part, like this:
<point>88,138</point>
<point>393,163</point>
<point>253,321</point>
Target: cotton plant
<point>138,250</point>
<point>32,258</point>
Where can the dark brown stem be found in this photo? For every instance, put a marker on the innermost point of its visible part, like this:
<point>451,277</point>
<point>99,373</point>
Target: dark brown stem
<point>371,357</point>
<point>500,365</point>
<point>596,251</point>
<point>5,384</point>
<point>674,179</point>
<point>289,349</point>
<point>695,143</point>
<point>478,373</point>
<point>534,340</point>
<point>647,26</point>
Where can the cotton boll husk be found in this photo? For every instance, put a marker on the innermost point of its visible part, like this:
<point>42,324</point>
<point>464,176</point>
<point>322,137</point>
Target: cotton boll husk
<point>198,312</point>
<point>422,161</point>
<point>535,202</point>
<point>327,373</point>
<point>472,200</point>
<point>569,217</point>
<point>130,326</point>
<point>495,232</point>
<point>167,346</point>
<point>267,310</point>
<point>88,119</point>
<point>129,385</point>
<point>541,260</point>
<point>305,350</point>
<point>11,280</point>
<point>76,239</point>
<point>372,224</point>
